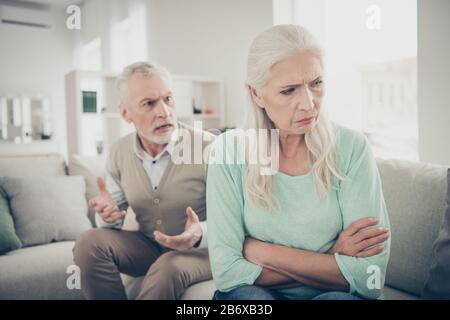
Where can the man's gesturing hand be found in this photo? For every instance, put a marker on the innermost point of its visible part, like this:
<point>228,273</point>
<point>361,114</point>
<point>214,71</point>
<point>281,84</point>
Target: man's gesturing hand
<point>186,240</point>
<point>104,205</point>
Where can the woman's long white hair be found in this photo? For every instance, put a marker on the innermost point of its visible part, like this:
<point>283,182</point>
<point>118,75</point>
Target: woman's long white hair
<point>268,48</point>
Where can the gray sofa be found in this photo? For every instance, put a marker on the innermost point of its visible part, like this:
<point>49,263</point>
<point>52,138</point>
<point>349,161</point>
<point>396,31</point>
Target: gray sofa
<point>415,197</point>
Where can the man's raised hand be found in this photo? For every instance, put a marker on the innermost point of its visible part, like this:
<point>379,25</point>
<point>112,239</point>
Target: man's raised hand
<point>104,204</point>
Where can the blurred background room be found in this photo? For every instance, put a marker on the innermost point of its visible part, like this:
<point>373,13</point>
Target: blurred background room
<point>385,71</point>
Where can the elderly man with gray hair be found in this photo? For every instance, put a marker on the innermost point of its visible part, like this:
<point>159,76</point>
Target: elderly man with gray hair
<point>167,197</point>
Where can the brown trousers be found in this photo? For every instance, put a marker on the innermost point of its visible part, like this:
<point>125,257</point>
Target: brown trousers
<point>102,254</point>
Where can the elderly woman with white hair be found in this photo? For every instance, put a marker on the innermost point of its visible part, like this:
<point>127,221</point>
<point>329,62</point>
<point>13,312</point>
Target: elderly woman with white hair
<point>317,228</point>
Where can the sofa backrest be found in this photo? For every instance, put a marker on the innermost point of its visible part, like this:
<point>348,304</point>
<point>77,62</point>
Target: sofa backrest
<point>415,195</point>
<point>33,165</point>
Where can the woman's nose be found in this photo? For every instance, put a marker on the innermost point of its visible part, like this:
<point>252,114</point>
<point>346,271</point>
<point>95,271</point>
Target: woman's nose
<point>306,101</point>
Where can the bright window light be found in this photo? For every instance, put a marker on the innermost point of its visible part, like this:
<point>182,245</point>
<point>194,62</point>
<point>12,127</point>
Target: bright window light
<point>370,66</point>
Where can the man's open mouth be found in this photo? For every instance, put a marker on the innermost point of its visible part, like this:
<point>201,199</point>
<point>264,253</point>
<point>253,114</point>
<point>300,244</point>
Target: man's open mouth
<point>164,127</point>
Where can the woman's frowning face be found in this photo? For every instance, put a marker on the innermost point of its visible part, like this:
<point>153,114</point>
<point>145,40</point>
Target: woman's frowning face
<point>293,93</point>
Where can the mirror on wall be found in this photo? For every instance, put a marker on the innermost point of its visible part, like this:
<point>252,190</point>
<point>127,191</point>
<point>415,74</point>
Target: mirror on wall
<point>24,119</point>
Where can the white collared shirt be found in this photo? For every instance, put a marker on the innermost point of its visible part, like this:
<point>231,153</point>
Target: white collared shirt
<point>155,168</point>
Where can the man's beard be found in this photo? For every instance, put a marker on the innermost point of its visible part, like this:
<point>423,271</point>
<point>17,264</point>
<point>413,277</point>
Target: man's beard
<point>152,138</point>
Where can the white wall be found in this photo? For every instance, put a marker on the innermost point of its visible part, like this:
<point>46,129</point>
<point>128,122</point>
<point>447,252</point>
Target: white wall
<point>98,16</point>
<point>100,20</point>
<point>208,37</point>
<point>434,80</point>
<point>33,62</point>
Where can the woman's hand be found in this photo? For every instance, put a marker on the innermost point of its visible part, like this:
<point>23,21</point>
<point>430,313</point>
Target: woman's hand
<point>358,240</point>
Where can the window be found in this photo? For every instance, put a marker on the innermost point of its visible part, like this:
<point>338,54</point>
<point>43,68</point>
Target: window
<point>370,66</point>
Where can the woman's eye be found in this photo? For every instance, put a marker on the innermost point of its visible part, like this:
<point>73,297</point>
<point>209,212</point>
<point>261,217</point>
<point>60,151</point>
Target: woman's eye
<point>288,91</point>
<point>317,83</point>
<point>169,99</point>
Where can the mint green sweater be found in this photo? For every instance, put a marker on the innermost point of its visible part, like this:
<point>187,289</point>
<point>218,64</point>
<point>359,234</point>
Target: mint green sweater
<point>305,221</point>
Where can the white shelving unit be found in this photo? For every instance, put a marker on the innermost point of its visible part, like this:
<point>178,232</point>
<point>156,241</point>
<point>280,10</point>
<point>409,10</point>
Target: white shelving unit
<point>202,94</point>
<point>86,131</point>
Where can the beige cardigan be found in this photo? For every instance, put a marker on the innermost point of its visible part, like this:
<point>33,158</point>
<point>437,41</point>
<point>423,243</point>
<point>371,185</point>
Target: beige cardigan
<point>182,185</point>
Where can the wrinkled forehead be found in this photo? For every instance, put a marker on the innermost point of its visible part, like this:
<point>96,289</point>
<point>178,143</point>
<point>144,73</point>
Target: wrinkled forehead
<point>150,86</point>
<point>298,68</point>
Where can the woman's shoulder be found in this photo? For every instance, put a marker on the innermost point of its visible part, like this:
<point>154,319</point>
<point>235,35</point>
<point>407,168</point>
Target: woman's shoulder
<point>348,139</point>
<point>351,145</point>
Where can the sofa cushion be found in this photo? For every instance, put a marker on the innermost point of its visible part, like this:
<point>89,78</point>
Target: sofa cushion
<point>438,284</point>
<point>47,209</point>
<point>199,291</point>
<point>415,198</point>
<point>37,273</point>
<point>89,168</point>
<point>8,238</point>
<point>26,166</point>
<point>394,294</point>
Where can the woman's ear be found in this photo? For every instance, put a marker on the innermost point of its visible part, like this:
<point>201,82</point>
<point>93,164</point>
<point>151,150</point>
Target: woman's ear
<point>125,113</point>
<point>255,97</point>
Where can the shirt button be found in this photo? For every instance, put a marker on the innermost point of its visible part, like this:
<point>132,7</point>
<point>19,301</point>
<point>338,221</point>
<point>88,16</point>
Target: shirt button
<point>154,161</point>
<point>159,222</point>
<point>156,201</point>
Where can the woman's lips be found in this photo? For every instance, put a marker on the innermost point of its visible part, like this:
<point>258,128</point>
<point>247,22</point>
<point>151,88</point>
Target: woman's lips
<point>306,120</point>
